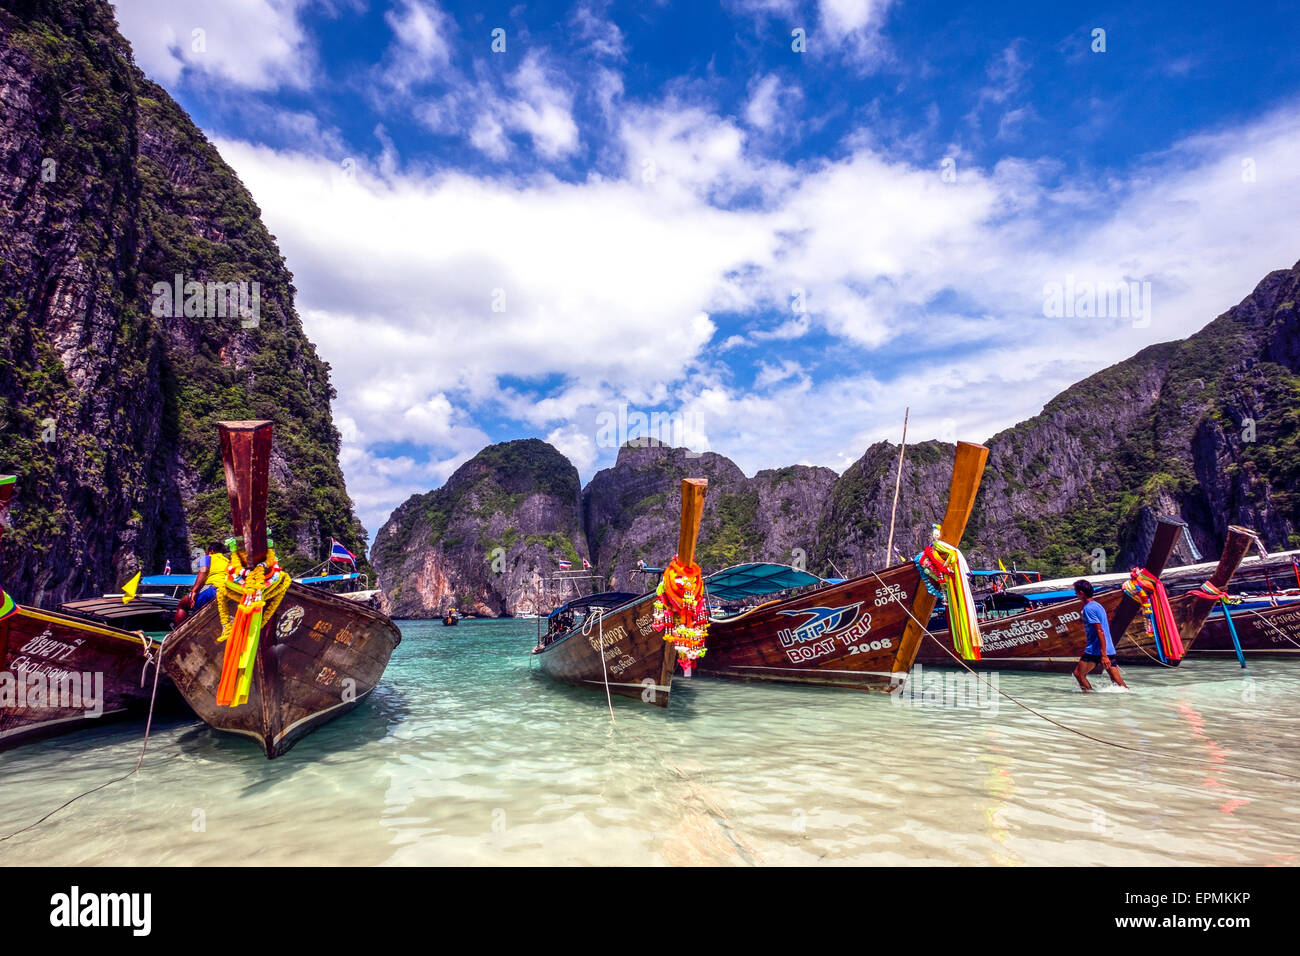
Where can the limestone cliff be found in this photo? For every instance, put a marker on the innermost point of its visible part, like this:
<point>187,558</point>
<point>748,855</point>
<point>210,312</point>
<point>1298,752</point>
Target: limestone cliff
<point>109,394</point>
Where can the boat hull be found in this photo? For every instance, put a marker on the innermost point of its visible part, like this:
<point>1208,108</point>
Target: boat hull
<point>1268,633</point>
<point>319,657</point>
<point>845,635</point>
<point>1052,638</point>
<point>72,654</point>
<point>638,662</point>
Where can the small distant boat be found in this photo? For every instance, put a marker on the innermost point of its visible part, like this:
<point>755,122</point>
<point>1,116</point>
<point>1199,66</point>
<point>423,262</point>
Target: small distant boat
<point>315,655</point>
<point>609,641</point>
<point>57,670</point>
<point>862,633</point>
<point>451,618</point>
<point>1047,633</point>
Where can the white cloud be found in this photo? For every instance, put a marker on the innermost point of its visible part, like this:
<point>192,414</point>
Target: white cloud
<point>544,109</point>
<point>254,44</point>
<point>576,444</point>
<point>769,100</point>
<point>854,26</point>
<point>602,36</point>
<point>420,49</point>
<point>610,286</point>
<point>535,102</point>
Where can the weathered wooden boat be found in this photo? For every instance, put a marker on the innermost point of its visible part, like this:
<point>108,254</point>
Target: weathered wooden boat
<point>451,618</point>
<point>1051,636</point>
<point>610,641</point>
<point>58,671</point>
<point>862,633</point>
<point>312,657</point>
<point>150,613</point>
<point>1266,627</point>
<point>1017,634</point>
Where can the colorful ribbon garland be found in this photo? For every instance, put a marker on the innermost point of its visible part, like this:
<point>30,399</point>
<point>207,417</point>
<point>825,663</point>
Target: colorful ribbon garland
<point>1149,591</point>
<point>8,607</point>
<point>258,591</point>
<point>944,573</point>
<point>681,612</point>
<point>1209,591</point>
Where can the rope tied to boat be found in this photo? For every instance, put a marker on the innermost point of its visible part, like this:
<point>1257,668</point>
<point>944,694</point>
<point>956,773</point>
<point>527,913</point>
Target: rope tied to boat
<point>597,615</point>
<point>681,612</point>
<point>1209,591</point>
<point>144,746</point>
<point>146,645</point>
<point>945,574</point>
<point>1157,613</point>
<point>901,678</point>
<point>256,592</point>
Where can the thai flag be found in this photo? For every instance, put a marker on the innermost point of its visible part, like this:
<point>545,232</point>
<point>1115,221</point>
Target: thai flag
<point>565,565</point>
<point>586,565</point>
<point>167,566</point>
<point>342,554</point>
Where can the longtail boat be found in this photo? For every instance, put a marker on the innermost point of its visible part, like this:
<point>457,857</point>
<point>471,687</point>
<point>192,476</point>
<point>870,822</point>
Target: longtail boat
<point>269,658</point>
<point>1051,636</point>
<point>1264,626</point>
<point>57,671</point>
<point>618,643</point>
<point>862,633</point>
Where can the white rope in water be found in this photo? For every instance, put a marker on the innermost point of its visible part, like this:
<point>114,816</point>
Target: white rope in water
<point>1109,743</point>
<point>143,747</point>
<point>599,613</point>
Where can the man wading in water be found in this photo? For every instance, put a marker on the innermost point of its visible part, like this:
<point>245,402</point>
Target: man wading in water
<point>1099,647</point>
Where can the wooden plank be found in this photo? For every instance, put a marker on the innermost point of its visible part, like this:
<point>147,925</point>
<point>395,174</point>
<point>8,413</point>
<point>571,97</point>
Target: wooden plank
<point>967,472</point>
<point>246,457</point>
<point>1168,531</point>
<point>693,491</point>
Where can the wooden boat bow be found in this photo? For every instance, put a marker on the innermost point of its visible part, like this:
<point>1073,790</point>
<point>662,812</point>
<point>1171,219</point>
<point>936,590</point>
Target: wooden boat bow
<point>967,473</point>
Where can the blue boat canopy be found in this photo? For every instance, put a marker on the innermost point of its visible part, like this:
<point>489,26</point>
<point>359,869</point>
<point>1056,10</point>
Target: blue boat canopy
<point>330,578</point>
<point>755,580</point>
<point>187,580</point>
<point>606,599</point>
<point>167,581</point>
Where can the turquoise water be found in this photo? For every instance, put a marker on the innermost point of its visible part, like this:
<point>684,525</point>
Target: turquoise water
<point>464,756</point>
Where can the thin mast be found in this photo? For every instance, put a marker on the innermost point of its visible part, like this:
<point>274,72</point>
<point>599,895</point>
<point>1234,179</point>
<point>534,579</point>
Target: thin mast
<point>898,481</point>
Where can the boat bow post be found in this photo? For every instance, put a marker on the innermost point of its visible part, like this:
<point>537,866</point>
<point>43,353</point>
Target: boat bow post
<point>967,473</point>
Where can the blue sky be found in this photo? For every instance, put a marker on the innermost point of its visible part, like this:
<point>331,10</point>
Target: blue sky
<point>666,210</point>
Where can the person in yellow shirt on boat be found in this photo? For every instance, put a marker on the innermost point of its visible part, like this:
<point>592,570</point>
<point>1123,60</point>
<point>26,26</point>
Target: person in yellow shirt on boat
<point>212,564</point>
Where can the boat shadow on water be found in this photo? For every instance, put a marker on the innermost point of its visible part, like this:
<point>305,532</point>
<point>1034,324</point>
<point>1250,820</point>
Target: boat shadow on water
<point>682,704</point>
<point>372,721</point>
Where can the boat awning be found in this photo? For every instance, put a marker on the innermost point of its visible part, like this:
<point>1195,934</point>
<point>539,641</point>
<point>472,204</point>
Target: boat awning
<point>755,580</point>
<point>330,578</point>
<point>606,599</point>
<point>168,581</point>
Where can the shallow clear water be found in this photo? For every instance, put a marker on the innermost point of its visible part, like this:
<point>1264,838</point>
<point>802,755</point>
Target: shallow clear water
<point>463,756</point>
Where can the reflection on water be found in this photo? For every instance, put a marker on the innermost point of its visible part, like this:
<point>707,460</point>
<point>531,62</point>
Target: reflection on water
<point>463,755</point>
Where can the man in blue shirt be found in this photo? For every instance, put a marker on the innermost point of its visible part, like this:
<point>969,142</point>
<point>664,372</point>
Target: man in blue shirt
<point>1099,647</point>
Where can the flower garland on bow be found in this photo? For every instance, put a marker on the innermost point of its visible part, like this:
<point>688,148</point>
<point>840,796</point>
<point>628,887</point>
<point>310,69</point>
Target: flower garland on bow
<point>945,574</point>
<point>1149,591</point>
<point>681,612</point>
<point>1209,591</point>
<point>257,592</point>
